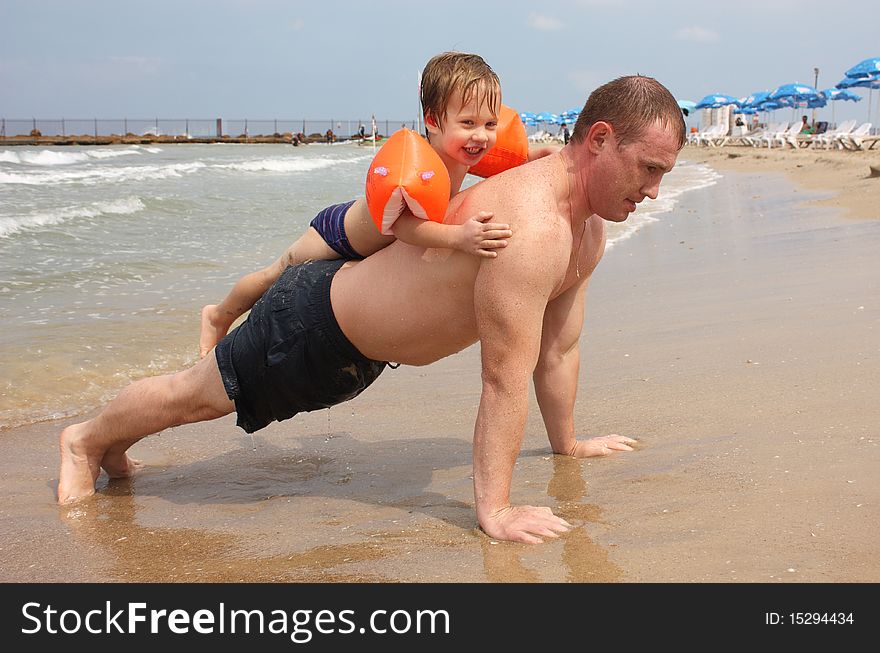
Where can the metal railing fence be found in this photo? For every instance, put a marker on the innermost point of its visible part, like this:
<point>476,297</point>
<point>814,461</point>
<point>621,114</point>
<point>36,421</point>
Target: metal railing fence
<point>192,127</point>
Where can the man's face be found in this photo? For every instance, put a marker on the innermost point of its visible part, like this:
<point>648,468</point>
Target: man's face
<point>626,174</point>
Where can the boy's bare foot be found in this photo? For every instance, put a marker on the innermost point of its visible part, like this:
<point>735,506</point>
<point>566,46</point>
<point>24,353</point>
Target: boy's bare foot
<point>212,331</point>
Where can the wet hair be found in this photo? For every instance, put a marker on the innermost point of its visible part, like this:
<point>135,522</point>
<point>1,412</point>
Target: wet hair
<point>631,104</point>
<point>452,72</point>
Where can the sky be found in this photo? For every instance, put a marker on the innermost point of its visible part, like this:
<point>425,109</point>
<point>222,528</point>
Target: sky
<point>264,59</point>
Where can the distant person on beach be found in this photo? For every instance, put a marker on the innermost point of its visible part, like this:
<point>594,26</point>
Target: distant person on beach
<point>805,126</point>
<point>326,329</point>
<point>564,134</point>
<point>329,136</point>
<point>362,132</point>
<point>461,96</point>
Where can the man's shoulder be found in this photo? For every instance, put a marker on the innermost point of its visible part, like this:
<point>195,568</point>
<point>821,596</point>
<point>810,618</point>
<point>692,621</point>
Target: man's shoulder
<point>530,182</point>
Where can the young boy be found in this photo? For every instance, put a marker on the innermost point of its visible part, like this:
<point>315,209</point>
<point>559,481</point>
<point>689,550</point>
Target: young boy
<point>461,99</point>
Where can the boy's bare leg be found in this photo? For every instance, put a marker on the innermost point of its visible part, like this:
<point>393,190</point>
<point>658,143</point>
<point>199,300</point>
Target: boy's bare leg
<point>311,246</point>
<point>144,407</point>
<point>217,318</point>
<point>213,328</point>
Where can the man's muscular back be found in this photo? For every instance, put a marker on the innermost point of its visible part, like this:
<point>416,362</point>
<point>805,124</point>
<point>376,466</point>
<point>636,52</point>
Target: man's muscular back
<point>415,306</point>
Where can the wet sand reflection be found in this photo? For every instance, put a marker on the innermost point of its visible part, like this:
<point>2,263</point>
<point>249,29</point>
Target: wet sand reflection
<point>583,560</point>
<point>332,509</point>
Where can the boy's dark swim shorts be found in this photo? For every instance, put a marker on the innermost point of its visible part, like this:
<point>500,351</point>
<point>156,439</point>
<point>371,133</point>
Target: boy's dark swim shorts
<point>330,224</point>
<point>290,355</point>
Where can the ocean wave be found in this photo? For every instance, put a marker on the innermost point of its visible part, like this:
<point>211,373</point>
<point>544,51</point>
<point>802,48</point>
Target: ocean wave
<point>98,175</point>
<point>56,158</point>
<point>109,154</point>
<point>684,178</point>
<point>35,220</point>
<point>287,164</point>
<point>627,229</point>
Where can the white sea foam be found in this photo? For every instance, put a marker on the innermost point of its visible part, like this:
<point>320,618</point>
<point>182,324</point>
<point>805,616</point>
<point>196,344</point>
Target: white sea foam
<point>57,158</point>
<point>685,177</point>
<point>287,164</point>
<point>109,154</point>
<point>98,175</point>
<point>35,220</point>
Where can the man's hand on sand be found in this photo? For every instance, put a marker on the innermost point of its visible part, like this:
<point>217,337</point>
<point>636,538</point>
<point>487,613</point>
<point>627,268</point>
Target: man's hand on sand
<point>527,524</point>
<point>601,446</point>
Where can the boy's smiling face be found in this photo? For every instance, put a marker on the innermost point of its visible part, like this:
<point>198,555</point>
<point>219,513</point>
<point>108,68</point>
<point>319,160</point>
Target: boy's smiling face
<point>467,131</point>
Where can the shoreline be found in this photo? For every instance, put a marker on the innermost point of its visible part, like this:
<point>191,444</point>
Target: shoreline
<point>850,177</point>
<point>732,338</point>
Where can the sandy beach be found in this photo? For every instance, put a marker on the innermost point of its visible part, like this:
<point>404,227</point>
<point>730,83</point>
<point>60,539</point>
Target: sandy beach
<point>738,339</point>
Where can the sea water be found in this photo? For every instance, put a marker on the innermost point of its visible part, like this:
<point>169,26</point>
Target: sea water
<point>107,254</point>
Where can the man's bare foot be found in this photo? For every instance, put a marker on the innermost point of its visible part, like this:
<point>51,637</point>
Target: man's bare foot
<point>212,330</point>
<point>79,466</point>
<point>602,445</point>
<point>118,464</point>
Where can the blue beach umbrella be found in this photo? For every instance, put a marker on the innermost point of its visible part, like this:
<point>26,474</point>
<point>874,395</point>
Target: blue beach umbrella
<point>687,106</point>
<point>753,102</point>
<point>868,68</point>
<point>835,94</point>
<point>548,118</point>
<point>715,101</point>
<point>869,83</point>
<point>770,105</point>
<point>838,94</point>
<point>528,118</point>
<point>755,99</point>
<point>864,82</point>
<point>795,93</point>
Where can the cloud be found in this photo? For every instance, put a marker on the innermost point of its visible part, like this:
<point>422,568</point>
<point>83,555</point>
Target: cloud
<point>544,23</point>
<point>698,34</point>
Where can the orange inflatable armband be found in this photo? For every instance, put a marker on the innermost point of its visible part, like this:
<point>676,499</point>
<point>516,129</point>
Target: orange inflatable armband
<point>407,172</point>
<point>511,147</point>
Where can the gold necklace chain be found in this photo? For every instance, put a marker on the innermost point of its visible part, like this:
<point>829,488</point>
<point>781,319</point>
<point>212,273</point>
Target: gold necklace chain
<point>577,261</point>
